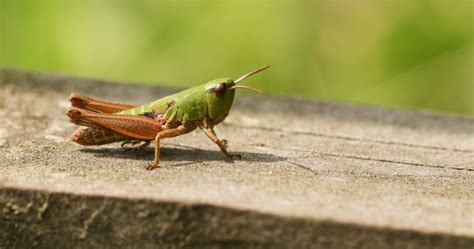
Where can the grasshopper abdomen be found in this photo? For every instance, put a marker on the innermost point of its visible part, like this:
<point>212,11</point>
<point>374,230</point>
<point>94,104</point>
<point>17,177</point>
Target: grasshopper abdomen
<point>96,136</point>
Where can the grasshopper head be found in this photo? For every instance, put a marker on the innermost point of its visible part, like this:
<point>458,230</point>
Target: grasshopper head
<point>221,92</point>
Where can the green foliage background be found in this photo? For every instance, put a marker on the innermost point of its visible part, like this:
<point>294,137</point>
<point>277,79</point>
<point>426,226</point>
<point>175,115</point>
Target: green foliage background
<point>399,53</point>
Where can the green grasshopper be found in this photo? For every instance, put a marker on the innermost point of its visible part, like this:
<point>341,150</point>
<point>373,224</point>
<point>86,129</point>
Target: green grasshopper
<point>202,106</point>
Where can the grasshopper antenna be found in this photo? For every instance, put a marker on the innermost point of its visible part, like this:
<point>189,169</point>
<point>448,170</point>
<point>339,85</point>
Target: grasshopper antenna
<point>243,77</point>
<point>246,87</point>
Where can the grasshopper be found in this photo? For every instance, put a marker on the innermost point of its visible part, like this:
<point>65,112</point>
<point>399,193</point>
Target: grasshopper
<point>202,106</point>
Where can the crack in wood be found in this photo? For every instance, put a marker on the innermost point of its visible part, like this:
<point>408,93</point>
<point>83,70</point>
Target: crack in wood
<point>367,158</point>
<point>392,161</point>
<point>347,138</point>
<point>85,228</point>
<point>304,167</point>
<point>453,167</point>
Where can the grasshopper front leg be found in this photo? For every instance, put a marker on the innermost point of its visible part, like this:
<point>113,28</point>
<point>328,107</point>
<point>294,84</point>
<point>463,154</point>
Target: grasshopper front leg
<point>211,134</point>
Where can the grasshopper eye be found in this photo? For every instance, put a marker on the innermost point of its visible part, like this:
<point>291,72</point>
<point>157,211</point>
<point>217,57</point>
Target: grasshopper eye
<point>220,90</point>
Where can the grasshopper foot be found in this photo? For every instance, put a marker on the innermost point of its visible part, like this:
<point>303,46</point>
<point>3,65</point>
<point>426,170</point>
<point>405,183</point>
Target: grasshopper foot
<point>233,156</point>
<point>237,156</point>
<point>224,142</point>
<point>152,166</point>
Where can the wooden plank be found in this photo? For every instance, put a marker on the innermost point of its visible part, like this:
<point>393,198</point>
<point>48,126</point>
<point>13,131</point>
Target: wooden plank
<point>320,170</point>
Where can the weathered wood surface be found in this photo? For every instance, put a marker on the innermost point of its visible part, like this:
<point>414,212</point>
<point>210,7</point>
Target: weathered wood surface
<point>313,174</point>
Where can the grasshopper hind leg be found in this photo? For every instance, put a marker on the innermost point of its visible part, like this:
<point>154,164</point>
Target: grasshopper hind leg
<point>85,102</point>
<point>132,127</point>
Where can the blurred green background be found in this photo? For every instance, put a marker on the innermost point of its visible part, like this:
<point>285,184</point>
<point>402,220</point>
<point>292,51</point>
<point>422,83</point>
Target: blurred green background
<point>400,53</point>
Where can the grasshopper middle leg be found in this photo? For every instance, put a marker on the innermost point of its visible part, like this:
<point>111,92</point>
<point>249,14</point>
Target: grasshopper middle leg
<point>134,145</point>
